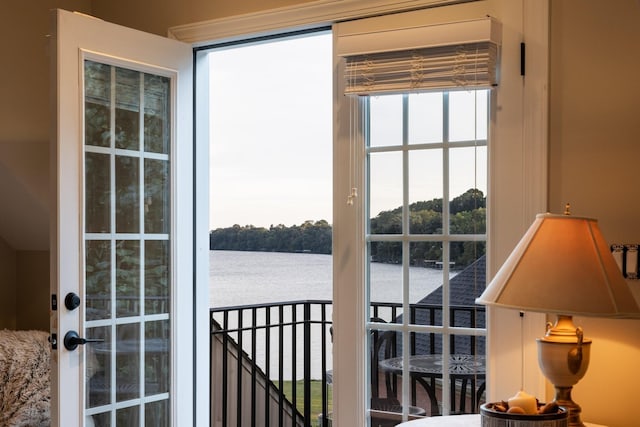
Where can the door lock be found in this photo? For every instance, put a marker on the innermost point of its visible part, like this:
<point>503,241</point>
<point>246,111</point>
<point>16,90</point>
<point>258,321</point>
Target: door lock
<point>72,301</point>
<point>72,340</point>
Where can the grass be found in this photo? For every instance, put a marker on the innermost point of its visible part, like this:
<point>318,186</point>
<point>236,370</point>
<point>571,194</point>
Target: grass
<point>316,397</point>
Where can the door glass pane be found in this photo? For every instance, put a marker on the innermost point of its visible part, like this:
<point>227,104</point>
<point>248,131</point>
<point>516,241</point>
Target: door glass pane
<point>156,114</point>
<point>385,126</point>
<point>97,193</point>
<point>156,277</point>
<point>156,196</point>
<point>468,115</point>
<point>425,191</point>
<point>128,416</point>
<point>98,278</point>
<point>98,368</point>
<point>127,269</point>
<point>99,420</point>
<point>468,203</point>
<point>385,192</point>
<point>127,194</point>
<point>127,362</point>
<point>156,414</point>
<point>127,129</point>
<point>426,273</point>
<point>97,104</point>
<point>128,278</point>
<point>156,378</point>
<point>425,118</point>
<point>385,272</point>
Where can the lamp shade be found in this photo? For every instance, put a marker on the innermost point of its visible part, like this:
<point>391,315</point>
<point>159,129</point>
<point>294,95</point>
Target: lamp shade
<point>562,265</point>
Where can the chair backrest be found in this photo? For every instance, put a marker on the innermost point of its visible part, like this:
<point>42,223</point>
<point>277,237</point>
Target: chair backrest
<point>383,346</point>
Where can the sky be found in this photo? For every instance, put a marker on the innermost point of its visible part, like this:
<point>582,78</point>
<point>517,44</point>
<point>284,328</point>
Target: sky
<point>271,137</point>
<point>271,133</point>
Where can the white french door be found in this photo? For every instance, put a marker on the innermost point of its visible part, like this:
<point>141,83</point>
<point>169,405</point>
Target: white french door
<point>122,227</point>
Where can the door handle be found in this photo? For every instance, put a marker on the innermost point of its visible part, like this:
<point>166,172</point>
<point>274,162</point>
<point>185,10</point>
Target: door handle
<point>72,340</point>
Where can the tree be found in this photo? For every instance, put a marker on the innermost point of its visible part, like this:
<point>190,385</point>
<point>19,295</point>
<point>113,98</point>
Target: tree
<point>313,237</point>
<point>467,216</point>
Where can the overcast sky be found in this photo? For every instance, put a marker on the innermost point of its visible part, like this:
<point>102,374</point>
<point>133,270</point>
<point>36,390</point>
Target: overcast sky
<point>271,131</point>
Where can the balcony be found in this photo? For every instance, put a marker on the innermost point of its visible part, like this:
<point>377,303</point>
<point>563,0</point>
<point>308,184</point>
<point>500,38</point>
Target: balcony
<point>271,364</point>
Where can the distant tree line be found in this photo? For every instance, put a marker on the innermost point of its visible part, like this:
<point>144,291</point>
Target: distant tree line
<point>310,236</point>
<point>467,216</point>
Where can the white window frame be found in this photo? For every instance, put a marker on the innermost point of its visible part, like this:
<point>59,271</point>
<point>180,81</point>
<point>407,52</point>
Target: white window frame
<point>445,329</point>
<point>517,180</point>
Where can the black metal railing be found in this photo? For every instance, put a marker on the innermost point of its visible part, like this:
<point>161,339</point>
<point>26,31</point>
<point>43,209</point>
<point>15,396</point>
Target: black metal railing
<point>268,346</point>
<point>256,350</point>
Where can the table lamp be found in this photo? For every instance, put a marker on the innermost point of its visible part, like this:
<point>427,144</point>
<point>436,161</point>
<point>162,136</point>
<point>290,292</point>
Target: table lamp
<point>563,266</point>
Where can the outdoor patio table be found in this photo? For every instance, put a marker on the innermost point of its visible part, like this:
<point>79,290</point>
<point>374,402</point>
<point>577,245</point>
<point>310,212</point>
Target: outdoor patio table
<point>425,368</point>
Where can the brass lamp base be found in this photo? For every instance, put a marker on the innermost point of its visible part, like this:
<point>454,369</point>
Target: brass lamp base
<point>563,356</point>
<point>563,398</point>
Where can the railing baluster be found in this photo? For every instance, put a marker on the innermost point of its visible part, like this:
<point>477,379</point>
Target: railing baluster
<point>294,359</point>
<point>239,373</point>
<point>254,319</point>
<point>323,354</point>
<point>267,362</point>
<point>281,368</point>
<point>307,364</point>
<point>225,369</point>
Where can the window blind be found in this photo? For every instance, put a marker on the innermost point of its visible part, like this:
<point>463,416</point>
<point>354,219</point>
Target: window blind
<point>460,55</point>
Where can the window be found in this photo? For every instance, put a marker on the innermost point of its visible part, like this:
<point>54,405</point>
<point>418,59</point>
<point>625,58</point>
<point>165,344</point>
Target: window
<point>426,158</point>
<point>418,108</point>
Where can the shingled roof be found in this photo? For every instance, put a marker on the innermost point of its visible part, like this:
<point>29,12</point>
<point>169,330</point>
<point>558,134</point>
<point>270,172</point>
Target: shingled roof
<point>464,288</point>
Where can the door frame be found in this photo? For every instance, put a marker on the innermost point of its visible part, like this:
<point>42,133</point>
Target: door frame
<point>521,134</point>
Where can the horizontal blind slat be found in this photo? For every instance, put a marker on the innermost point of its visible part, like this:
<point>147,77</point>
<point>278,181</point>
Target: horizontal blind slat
<point>469,66</point>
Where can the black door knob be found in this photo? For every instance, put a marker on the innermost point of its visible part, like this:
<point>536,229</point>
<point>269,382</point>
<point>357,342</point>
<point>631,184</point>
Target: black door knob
<point>72,340</point>
<point>71,301</point>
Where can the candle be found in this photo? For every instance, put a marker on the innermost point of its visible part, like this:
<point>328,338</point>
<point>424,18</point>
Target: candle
<point>525,401</point>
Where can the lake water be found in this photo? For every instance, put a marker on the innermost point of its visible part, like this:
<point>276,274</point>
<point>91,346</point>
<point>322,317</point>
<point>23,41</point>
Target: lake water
<point>242,278</point>
<point>257,277</point>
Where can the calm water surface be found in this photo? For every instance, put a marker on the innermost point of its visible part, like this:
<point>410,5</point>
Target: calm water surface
<point>257,277</point>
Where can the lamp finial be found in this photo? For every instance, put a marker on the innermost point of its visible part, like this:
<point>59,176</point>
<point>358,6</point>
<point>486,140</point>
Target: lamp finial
<point>567,209</point>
